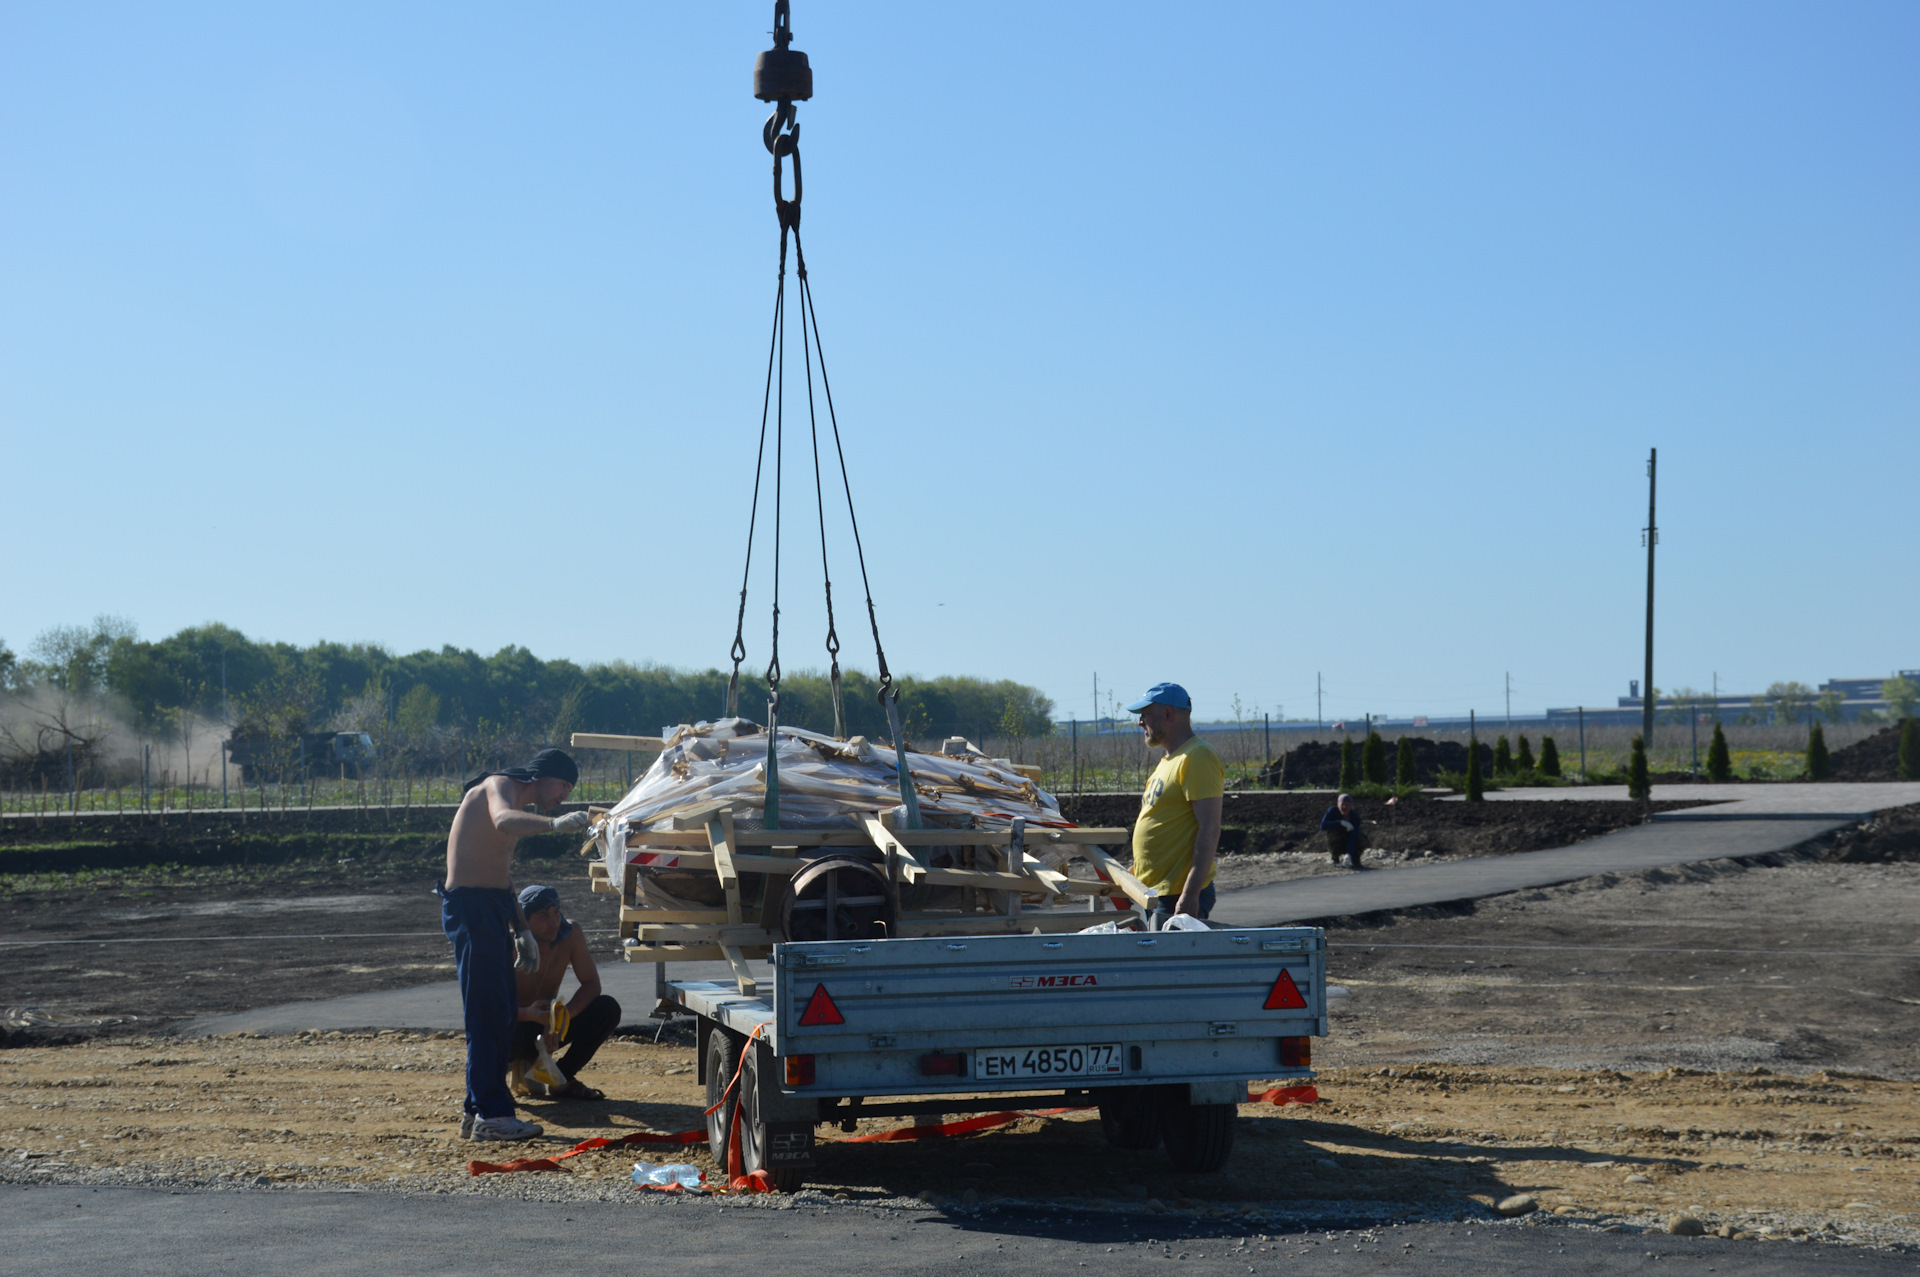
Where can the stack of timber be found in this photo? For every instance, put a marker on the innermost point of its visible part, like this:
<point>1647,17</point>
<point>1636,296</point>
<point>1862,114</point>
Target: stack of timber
<point>702,877</point>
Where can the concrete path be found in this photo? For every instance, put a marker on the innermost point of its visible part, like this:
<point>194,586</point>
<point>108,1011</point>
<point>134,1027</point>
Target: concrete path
<point>1789,800</point>
<point>1746,820</point>
<point>436,1007</point>
<point>1642,847</point>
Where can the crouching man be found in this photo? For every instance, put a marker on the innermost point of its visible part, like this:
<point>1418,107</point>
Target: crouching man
<point>591,1014</point>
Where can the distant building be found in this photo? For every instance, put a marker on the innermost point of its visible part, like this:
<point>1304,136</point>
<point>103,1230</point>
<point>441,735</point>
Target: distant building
<point>1858,695</point>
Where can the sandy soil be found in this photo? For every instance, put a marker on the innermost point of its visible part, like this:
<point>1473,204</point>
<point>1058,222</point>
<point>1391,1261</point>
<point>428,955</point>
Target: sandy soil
<point>1825,1154</point>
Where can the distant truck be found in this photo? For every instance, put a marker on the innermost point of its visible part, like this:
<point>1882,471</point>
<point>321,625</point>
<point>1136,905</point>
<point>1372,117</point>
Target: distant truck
<point>288,759</point>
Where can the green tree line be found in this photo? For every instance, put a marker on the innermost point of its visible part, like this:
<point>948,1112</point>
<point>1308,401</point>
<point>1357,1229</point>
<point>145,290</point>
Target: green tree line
<point>507,699</point>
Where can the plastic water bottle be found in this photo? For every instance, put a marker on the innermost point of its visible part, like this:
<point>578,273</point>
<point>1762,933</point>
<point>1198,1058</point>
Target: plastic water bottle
<point>685,1174</point>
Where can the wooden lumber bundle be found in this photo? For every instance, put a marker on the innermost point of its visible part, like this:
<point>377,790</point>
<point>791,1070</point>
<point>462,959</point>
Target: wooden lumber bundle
<point>749,866</point>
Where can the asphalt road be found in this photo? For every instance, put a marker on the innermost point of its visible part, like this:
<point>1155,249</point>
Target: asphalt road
<point>265,1232</point>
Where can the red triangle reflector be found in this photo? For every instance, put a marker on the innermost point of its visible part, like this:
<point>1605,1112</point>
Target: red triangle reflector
<point>820,1008</point>
<point>1284,996</point>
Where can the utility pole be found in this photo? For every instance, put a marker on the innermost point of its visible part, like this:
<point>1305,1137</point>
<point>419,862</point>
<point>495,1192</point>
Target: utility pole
<point>1267,748</point>
<point>1509,702</point>
<point>1319,691</point>
<point>1096,702</point>
<point>1651,537</point>
<point>1716,696</point>
<point>1583,741</point>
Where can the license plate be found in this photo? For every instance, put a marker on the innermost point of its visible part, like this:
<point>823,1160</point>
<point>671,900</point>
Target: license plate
<point>1102,1059</point>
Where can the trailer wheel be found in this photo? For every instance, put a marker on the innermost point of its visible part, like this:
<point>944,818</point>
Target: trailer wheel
<point>753,1127</point>
<point>1130,1117</point>
<point>1199,1136</point>
<point>723,1057</point>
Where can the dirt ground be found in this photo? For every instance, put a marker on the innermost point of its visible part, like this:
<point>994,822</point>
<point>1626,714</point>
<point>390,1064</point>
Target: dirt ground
<point>162,945</point>
<point>1742,1036</point>
<point>134,949</point>
<point>1827,1154</point>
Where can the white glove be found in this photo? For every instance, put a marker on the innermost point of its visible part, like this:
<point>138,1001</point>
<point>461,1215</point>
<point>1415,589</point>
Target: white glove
<point>1347,825</point>
<point>526,952</point>
<point>572,822</point>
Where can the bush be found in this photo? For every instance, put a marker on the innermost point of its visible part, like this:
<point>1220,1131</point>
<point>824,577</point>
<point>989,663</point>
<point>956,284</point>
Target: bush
<point>1639,785</point>
<point>1819,762</point>
<point>1502,757</point>
<point>1909,751</point>
<point>1719,761</point>
<point>1476,788</point>
<point>1349,774</point>
<point>1549,757</point>
<point>1403,763</point>
<point>1373,759</point>
<point>1524,759</point>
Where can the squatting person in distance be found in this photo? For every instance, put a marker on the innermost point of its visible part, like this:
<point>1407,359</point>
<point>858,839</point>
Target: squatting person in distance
<point>490,937</point>
<point>1345,835</point>
<point>591,1014</point>
<point>1178,832</point>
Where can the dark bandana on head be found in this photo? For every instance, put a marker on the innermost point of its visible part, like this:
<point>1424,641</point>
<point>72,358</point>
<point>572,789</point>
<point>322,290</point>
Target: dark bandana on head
<point>548,764</point>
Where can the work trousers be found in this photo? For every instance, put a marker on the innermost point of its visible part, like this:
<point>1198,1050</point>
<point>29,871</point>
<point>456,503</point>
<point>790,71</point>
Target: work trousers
<point>479,921</point>
<point>585,1032</point>
<point>1164,914</point>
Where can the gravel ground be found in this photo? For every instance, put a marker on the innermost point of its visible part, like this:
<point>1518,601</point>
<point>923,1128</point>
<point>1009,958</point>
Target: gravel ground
<point>1824,1156</point>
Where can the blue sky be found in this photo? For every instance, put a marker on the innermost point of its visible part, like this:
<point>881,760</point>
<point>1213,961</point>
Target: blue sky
<point>1230,344</point>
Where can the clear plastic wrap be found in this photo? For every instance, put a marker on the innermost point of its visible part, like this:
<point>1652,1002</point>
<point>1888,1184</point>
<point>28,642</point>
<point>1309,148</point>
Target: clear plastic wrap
<point>824,784</point>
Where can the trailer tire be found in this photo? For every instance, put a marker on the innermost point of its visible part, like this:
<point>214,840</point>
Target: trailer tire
<point>1199,1136</point>
<point>1130,1118</point>
<point>723,1058</point>
<point>753,1127</point>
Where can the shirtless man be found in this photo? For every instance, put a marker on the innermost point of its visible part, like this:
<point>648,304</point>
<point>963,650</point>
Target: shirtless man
<point>490,937</point>
<point>591,1014</point>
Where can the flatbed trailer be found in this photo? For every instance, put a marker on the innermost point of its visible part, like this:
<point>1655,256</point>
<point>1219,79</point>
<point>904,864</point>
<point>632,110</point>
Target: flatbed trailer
<point>1160,1030</point>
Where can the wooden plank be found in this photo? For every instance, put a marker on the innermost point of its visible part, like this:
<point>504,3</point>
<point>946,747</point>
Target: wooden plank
<point>1123,878</point>
<point>697,816</point>
<point>688,952</point>
<point>691,917</point>
<point>1049,922</point>
<point>720,833</point>
<point>742,973</point>
<point>744,864</point>
<point>983,880</point>
<point>666,839</point>
<point>598,869</point>
<point>598,740</point>
<point>677,933</point>
<point>1029,770</point>
<point>602,887</point>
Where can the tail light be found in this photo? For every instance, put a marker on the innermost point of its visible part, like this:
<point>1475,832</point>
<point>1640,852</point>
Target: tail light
<point>799,1070</point>
<point>1296,1053</point>
<point>944,1064</point>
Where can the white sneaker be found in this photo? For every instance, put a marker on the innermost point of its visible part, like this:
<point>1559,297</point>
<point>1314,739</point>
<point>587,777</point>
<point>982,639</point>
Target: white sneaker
<point>504,1128</point>
<point>466,1126</point>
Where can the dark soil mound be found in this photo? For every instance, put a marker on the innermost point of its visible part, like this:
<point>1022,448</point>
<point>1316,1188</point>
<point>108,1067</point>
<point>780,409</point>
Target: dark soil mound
<point>1316,764</point>
<point>1892,835</point>
<point>1269,820</point>
<point>1875,758</point>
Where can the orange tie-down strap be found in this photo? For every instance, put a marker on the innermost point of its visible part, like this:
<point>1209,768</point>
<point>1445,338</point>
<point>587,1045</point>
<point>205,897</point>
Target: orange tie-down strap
<point>967,1126</point>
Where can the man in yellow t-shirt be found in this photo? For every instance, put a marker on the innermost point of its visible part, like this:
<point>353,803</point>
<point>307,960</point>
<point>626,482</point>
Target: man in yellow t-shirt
<point>1178,831</point>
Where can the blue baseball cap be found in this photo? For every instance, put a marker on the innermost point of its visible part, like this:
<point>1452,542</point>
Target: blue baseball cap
<point>1163,694</point>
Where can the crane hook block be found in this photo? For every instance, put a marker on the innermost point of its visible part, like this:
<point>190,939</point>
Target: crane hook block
<point>781,74</point>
